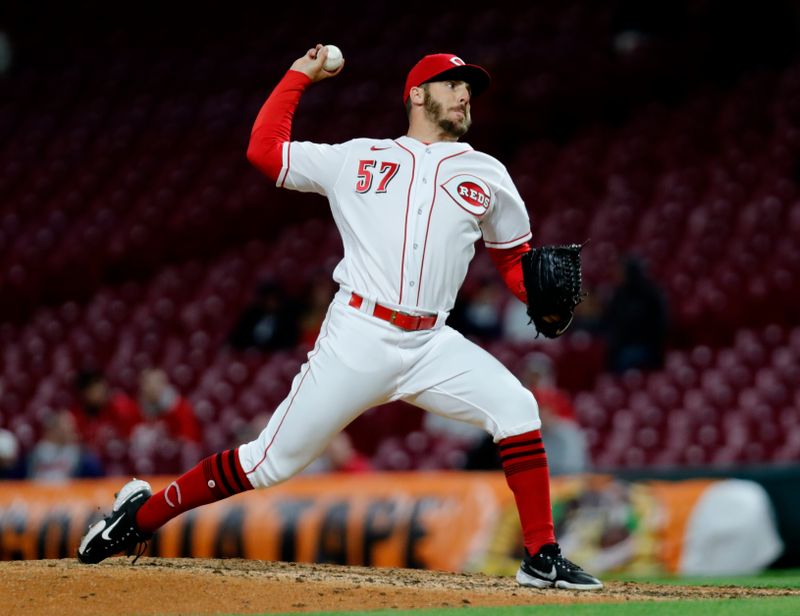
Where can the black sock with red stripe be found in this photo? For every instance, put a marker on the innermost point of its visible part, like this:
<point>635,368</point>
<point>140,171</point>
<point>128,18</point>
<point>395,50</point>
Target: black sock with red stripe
<point>525,465</point>
<point>214,478</point>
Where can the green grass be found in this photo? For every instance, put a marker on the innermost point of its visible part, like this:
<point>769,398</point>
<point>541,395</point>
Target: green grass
<point>779,606</point>
<point>778,578</point>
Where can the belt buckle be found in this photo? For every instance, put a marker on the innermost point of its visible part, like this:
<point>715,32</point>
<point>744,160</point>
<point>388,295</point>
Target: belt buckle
<point>393,317</point>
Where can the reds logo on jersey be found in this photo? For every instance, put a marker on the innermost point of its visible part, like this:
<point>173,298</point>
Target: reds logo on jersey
<point>470,193</point>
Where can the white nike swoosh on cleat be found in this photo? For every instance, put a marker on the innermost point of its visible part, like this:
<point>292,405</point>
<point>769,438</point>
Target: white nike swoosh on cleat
<point>93,531</point>
<point>547,576</point>
<point>105,533</point>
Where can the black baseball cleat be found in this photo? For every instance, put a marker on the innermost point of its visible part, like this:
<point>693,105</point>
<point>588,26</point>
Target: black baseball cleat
<point>117,532</point>
<point>548,568</point>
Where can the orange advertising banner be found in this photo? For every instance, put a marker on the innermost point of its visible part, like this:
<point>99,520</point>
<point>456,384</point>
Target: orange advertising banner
<point>445,520</point>
<point>438,521</point>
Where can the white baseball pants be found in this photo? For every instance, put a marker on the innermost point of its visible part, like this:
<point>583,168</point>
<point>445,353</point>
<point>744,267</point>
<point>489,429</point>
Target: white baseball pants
<point>360,361</point>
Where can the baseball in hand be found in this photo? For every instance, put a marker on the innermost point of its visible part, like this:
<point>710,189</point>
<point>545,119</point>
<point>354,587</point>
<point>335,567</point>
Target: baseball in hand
<point>334,59</point>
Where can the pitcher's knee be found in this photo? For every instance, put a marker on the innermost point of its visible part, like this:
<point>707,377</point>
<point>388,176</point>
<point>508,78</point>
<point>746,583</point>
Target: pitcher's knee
<point>520,415</point>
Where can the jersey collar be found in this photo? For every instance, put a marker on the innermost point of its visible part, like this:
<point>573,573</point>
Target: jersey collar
<point>443,146</point>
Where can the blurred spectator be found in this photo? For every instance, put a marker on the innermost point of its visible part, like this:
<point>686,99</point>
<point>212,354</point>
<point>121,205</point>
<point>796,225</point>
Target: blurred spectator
<point>58,456</point>
<point>564,440</point>
<point>6,53</point>
<point>250,430</point>
<point>320,292</point>
<point>454,431</point>
<point>340,457</point>
<point>517,327</point>
<point>101,414</point>
<point>635,321</point>
<point>479,314</point>
<point>589,314</point>
<point>344,458</point>
<point>161,403</point>
<point>268,323</point>
<point>12,465</point>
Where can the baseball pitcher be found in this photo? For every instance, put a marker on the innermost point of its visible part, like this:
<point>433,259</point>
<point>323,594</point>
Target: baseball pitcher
<point>409,211</point>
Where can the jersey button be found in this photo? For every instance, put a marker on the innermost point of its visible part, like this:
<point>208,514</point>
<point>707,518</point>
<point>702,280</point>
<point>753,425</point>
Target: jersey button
<point>411,284</point>
<point>419,211</point>
<point>416,246</point>
<point>427,150</point>
<point>424,180</point>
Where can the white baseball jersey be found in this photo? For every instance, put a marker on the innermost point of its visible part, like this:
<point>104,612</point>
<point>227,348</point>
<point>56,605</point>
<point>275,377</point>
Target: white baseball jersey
<point>409,213</point>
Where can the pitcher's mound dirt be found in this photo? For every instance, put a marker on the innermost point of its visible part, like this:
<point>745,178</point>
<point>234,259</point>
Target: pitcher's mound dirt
<point>194,586</point>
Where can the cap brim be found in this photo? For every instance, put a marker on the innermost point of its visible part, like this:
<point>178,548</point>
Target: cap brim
<point>477,77</point>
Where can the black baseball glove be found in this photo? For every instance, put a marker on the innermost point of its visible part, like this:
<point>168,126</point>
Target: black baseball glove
<point>552,276</point>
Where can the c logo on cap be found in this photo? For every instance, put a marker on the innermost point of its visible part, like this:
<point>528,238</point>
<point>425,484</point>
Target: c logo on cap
<point>457,61</point>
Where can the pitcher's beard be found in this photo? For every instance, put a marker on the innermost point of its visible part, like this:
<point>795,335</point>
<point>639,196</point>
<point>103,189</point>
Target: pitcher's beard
<point>435,113</point>
<point>454,129</point>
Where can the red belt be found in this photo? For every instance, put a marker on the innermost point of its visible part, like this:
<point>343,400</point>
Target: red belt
<point>409,322</point>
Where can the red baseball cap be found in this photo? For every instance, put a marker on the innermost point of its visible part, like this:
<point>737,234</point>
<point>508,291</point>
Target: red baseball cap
<point>443,66</point>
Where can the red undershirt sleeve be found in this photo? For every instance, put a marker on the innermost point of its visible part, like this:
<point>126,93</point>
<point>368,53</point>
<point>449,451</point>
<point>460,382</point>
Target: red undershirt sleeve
<point>273,126</point>
<point>508,262</point>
